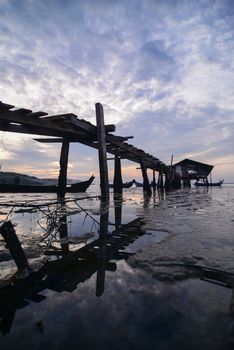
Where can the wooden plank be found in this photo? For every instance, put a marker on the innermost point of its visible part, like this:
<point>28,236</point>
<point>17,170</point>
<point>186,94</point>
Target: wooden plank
<point>109,127</point>
<point>22,111</point>
<point>36,130</point>
<point>54,140</point>
<point>62,117</point>
<point>39,122</point>
<point>5,106</point>
<point>37,114</point>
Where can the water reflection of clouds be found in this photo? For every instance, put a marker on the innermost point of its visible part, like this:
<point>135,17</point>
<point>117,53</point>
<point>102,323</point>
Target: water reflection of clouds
<point>136,311</point>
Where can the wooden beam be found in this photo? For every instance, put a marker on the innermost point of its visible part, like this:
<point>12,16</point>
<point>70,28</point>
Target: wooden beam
<point>21,111</point>
<point>109,127</point>
<point>43,131</point>
<point>102,152</point>
<point>5,106</point>
<point>54,140</point>
<point>37,114</point>
<point>59,117</point>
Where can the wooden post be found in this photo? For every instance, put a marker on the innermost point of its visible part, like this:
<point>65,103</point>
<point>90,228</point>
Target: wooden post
<point>118,183</point>
<point>104,182</point>
<point>14,246</point>
<point>160,179</point>
<point>146,184</point>
<point>154,181</point>
<point>62,180</point>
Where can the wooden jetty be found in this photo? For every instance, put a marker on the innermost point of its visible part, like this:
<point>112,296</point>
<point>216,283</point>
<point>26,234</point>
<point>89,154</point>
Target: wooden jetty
<point>66,128</point>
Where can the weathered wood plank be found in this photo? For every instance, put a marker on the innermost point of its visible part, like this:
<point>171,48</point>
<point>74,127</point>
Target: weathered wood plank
<point>23,111</point>
<point>5,106</point>
<point>62,117</point>
<point>37,114</point>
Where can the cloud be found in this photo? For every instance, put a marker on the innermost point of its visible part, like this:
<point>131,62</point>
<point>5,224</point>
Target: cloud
<point>161,68</point>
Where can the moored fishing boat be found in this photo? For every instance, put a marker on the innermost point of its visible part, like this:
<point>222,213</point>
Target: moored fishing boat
<point>21,188</point>
<point>208,184</point>
<point>124,185</point>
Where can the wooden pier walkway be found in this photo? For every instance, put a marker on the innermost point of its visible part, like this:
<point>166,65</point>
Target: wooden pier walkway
<point>66,128</point>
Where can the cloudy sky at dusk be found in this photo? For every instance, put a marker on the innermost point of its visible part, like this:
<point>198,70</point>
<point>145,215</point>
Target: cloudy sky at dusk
<point>164,71</point>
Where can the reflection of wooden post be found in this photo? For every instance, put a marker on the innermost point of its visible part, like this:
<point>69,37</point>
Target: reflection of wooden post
<point>102,152</point>
<point>146,184</point>
<point>7,320</point>
<point>104,219</point>
<point>62,180</point>
<point>232,303</point>
<point>118,213</point>
<point>13,244</point>
<point>63,233</point>
<point>118,183</point>
<point>160,178</point>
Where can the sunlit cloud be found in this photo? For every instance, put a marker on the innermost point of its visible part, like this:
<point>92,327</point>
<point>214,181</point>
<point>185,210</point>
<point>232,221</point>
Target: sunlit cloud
<point>164,71</point>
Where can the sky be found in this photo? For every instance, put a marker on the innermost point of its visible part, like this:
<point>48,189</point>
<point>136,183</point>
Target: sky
<point>163,70</point>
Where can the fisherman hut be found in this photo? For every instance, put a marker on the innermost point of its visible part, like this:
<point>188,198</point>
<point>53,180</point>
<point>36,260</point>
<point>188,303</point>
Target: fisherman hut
<point>188,169</point>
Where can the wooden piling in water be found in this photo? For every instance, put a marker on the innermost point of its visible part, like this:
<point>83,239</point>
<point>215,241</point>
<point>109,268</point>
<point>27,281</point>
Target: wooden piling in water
<point>103,168</point>
<point>160,179</point>
<point>62,180</point>
<point>154,181</point>
<point>14,246</point>
<point>118,182</point>
<point>146,184</point>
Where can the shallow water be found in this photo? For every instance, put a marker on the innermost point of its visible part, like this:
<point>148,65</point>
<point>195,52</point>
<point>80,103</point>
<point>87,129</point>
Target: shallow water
<point>159,277</point>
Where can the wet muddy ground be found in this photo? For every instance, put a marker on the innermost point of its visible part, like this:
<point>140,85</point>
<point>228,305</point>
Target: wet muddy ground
<point>141,273</point>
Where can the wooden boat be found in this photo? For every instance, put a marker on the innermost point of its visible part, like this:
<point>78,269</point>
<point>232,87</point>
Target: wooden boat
<point>138,184</point>
<point>20,188</point>
<point>204,184</point>
<point>125,184</point>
